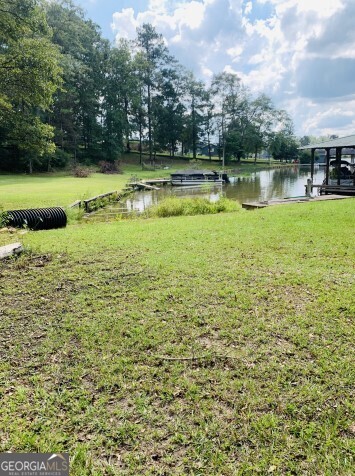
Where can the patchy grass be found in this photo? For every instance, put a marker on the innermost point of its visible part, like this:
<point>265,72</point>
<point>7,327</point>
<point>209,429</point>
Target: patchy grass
<point>219,344</point>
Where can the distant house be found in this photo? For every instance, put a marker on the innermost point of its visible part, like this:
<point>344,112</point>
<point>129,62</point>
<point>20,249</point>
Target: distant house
<point>265,154</point>
<point>202,149</point>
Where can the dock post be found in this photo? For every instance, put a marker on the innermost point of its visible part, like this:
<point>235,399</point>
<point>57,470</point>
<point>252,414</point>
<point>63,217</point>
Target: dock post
<point>309,187</point>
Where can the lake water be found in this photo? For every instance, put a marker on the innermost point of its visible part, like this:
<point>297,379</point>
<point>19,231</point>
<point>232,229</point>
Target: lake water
<point>258,186</point>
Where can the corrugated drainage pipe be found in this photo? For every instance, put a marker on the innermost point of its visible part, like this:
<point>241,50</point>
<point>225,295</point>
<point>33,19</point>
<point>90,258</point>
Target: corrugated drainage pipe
<point>37,218</point>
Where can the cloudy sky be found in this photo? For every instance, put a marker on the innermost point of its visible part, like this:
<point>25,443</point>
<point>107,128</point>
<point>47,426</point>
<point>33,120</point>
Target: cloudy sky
<point>299,52</point>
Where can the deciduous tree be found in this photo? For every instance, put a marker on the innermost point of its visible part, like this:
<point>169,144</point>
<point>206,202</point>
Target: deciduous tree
<point>29,76</point>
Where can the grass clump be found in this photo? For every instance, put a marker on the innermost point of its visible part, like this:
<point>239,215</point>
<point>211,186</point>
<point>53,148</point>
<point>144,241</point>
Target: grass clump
<point>74,215</point>
<point>3,218</point>
<point>174,206</point>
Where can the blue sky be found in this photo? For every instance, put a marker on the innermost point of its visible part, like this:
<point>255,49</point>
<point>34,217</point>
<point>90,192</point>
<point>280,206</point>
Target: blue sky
<point>299,52</point>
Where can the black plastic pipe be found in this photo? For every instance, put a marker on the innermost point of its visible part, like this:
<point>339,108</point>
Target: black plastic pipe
<point>37,218</point>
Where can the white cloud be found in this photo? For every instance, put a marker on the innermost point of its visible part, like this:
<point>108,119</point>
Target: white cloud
<point>324,8</point>
<point>248,8</point>
<point>208,73</point>
<point>185,15</point>
<point>158,6</point>
<point>125,23</point>
<point>190,14</point>
<point>283,53</point>
<point>324,118</point>
<point>235,52</point>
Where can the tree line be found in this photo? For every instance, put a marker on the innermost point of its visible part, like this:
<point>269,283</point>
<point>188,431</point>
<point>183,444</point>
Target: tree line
<point>67,94</point>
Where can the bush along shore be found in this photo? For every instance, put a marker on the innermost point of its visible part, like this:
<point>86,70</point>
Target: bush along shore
<point>212,344</point>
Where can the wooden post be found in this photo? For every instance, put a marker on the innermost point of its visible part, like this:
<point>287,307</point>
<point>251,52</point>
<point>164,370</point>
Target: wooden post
<point>327,166</point>
<point>338,162</point>
<point>312,164</point>
<point>309,187</point>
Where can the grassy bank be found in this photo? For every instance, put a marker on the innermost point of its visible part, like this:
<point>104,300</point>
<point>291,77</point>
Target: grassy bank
<point>60,189</point>
<point>208,345</point>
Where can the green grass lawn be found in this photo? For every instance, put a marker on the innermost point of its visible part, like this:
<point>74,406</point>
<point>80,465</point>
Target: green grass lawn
<point>61,189</point>
<point>205,345</point>
<point>25,191</point>
<point>19,191</point>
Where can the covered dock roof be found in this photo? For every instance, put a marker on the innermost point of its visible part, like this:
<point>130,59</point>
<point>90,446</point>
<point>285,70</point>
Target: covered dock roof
<point>194,172</point>
<point>348,141</point>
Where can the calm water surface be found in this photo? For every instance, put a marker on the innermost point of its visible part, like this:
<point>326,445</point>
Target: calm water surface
<point>258,186</point>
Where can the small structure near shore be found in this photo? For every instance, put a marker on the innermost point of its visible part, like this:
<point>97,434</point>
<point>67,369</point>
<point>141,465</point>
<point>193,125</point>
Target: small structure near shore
<point>287,201</point>
<point>198,177</point>
<point>343,179</point>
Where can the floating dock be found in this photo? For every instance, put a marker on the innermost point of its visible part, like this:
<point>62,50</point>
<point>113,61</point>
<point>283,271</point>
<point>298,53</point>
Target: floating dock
<point>148,184</point>
<point>286,201</point>
<point>157,181</point>
<point>142,186</point>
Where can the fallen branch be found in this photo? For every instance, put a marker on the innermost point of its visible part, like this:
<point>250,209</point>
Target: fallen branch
<point>201,357</point>
<point>198,357</point>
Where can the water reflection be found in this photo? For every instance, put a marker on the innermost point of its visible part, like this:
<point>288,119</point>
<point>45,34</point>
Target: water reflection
<point>258,186</point>
<point>272,184</point>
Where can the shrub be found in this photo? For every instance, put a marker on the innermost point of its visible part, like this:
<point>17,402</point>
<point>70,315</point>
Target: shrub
<point>3,218</point>
<point>101,202</point>
<point>106,167</point>
<point>59,159</point>
<point>74,214</point>
<point>81,172</point>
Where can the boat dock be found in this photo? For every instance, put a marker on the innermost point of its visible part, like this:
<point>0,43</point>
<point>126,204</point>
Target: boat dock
<point>149,184</point>
<point>141,186</point>
<point>159,181</point>
<point>286,201</point>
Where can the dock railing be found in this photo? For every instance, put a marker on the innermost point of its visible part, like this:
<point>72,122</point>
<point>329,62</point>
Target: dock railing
<point>343,189</point>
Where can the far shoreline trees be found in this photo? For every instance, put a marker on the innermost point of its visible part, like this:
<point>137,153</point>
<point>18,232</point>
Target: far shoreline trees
<point>68,95</point>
